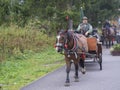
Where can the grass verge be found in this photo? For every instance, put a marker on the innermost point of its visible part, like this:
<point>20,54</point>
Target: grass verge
<point>17,73</point>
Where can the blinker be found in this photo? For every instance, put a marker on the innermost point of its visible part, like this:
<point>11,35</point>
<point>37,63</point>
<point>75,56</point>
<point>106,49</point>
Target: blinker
<point>66,46</point>
<point>55,46</point>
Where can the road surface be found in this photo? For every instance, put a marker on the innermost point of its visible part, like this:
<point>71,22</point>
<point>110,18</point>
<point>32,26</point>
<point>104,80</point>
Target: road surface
<point>94,79</point>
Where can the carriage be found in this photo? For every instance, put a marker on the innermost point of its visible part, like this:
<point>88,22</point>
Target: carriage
<point>94,50</point>
<point>77,47</point>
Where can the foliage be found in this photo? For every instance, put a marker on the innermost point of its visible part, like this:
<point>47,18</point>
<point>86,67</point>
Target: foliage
<point>15,41</point>
<point>4,11</point>
<point>101,10</point>
<point>16,73</point>
<point>20,50</point>
<point>115,50</point>
<point>28,27</point>
<point>116,47</point>
<point>21,11</point>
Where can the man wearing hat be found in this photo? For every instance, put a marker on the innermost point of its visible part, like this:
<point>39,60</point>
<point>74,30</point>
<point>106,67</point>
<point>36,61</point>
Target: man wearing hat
<point>85,28</point>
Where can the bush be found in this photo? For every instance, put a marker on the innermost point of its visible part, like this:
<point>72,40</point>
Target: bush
<point>14,41</point>
<point>115,50</point>
<point>116,47</point>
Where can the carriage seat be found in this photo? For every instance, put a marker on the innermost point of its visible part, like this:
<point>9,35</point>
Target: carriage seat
<point>92,44</point>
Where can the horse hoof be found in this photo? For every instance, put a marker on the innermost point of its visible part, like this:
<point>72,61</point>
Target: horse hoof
<point>67,84</point>
<point>83,70</point>
<point>76,79</point>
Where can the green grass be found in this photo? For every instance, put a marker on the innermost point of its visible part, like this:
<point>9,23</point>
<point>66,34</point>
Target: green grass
<point>18,72</point>
<point>14,41</point>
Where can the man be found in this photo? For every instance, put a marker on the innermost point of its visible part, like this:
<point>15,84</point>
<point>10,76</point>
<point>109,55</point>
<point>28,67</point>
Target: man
<point>85,28</point>
<point>107,25</point>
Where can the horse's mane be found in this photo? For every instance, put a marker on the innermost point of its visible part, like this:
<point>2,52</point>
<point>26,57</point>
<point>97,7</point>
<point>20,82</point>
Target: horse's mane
<point>68,33</point>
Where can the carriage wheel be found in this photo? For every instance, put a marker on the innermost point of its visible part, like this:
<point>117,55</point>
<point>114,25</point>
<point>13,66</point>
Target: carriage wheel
<point>100,55</point>
<point>100,61</point>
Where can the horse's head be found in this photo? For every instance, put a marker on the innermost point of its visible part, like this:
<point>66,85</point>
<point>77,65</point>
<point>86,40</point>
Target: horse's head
<point>61,40</point>
<point>104,32</point>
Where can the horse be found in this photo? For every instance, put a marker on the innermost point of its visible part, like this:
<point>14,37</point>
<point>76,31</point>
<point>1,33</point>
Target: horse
<point>108,36</point>
<point>73,46</point>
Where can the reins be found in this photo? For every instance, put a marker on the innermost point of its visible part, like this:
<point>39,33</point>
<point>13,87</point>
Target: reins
<point>75,47</point>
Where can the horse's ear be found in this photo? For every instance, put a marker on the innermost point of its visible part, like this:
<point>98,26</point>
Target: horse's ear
<point>66,31</point>
<point>58,31</point>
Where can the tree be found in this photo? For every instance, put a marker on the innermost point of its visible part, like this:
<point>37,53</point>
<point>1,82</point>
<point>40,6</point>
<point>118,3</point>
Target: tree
<point>21,11</point>
<point>100,10</point>
<point>4,11</point>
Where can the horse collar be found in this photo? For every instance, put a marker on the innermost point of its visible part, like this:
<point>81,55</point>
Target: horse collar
<point>75,44</point>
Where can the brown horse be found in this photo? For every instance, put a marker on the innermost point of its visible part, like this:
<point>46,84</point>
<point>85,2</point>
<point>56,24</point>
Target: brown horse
<point>108,36</point>
<point>74,46</point>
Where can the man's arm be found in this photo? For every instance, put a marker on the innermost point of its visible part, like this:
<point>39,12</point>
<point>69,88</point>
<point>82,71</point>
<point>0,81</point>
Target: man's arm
<point>90,30</point>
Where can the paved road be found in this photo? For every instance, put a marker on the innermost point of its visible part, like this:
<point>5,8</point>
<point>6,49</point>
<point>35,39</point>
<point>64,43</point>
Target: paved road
<point>94,79</point>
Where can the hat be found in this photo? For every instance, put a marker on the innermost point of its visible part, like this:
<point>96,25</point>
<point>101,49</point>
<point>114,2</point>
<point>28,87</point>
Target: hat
<point>85,18</point>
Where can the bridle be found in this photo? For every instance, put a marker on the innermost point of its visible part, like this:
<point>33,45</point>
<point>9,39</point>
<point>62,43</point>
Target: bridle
<point>63,45</point>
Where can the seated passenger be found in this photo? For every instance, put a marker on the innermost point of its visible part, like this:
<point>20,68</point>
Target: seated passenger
<point>85,28</point>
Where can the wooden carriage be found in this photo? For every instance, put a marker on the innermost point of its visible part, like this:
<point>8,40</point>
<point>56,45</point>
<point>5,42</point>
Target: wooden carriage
<point>94,50</point>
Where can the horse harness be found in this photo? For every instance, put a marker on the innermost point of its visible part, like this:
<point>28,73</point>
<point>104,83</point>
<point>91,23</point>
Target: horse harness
<point>84,28</point>
<point>76,48</point>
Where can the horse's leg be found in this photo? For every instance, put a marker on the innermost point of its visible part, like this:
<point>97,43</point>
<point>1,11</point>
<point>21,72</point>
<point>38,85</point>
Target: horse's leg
<point>76,71</point>
<point>68,67</point>
<point>109,43</point>
<point>103,42</point>
<point>83,70</point>
<point>102,39</point>
<point>106,42</point>
<point>113,40</point>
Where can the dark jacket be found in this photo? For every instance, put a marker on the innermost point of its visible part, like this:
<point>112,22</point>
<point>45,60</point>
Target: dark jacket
<point>106,25</point>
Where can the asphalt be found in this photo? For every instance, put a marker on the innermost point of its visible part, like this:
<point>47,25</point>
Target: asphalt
<point>94,79</point>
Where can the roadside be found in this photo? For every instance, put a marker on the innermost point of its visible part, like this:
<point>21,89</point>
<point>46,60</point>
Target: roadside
<point>94,79</point>
<point>18,73</point>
